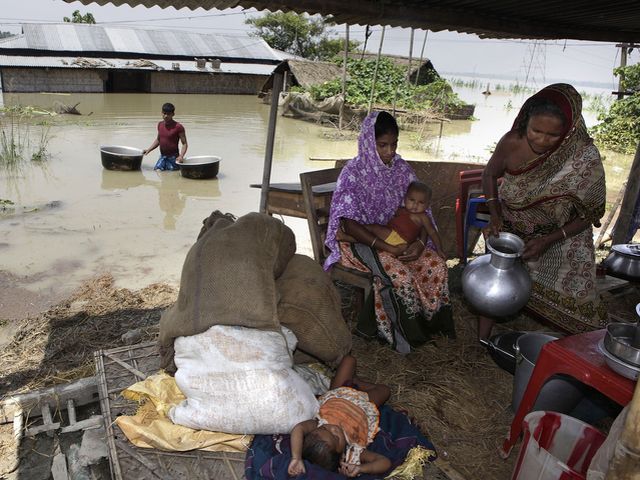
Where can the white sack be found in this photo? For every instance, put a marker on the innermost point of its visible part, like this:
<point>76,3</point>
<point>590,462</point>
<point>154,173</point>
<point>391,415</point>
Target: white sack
<point>240,380</point>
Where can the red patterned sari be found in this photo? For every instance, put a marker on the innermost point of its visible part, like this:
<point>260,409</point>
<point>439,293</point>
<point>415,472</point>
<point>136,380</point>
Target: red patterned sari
<point>544,195</point>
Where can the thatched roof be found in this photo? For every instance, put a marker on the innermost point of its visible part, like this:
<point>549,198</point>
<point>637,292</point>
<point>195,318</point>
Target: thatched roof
<point>305,73</point>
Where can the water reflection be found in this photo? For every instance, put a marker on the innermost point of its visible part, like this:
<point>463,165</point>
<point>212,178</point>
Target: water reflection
<point>173,189</point>
<point>114,180</point>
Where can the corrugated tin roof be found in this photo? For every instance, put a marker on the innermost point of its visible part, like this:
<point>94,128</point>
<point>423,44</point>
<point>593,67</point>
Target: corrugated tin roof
<point>73,37</point>
<point>613,21</point>
<point>128,64</point>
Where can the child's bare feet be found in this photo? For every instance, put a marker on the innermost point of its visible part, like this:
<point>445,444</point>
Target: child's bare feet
<point>343,237</point>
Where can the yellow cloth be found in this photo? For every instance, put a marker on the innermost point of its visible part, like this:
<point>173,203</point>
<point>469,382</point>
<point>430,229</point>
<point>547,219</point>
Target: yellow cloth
<point>151,428</point>
<point>394,239</point>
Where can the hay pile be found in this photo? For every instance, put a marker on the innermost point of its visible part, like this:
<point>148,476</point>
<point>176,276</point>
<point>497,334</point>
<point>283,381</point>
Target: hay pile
<point>58,345</point>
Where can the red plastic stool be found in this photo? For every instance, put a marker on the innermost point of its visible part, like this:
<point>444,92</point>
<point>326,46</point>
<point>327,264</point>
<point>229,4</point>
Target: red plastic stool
<point>578,356</point>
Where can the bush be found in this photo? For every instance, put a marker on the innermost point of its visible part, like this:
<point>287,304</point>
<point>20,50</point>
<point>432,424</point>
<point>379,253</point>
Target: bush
<point>391,87</point>
<point>619,129</point>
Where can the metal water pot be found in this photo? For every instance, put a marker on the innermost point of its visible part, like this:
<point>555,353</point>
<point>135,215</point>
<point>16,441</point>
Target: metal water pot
<point>498,284</point>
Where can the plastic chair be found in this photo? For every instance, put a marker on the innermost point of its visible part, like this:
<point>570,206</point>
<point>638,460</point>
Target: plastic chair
<point>470,184</point>
<point>473,218</point>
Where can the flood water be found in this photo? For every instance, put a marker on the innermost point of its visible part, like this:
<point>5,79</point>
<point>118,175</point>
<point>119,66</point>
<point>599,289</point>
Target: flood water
<point>74,220</point>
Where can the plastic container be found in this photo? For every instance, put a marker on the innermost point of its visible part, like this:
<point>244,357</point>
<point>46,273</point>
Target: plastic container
<point>561,393</point>
<point>555,447</point>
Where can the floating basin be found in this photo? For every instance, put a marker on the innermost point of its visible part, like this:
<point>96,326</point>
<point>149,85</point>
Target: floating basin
<point>117,157</point>
<point>200,167</point>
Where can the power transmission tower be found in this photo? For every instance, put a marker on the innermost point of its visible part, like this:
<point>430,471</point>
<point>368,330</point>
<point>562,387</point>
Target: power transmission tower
<point>535,64</point>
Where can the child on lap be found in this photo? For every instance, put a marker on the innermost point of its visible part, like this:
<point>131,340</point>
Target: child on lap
<point>406,225</point>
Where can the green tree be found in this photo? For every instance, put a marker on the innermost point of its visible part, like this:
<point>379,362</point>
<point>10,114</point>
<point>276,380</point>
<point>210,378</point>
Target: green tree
<point>6,34</point>
<point>329,48</point>
<point>76,17</point>
<point>298,34</point>
<point>619,128</point>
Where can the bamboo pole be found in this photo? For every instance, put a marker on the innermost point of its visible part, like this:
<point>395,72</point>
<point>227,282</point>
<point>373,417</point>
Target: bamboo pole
<point>271,134</point>
<point>375,71</point>
<point>424,43</point>
<point>344,78</point>
<point>410,55</point>
<point>622,229</point>
<point>625,462</point>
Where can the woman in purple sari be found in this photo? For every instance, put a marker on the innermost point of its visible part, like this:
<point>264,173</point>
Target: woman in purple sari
<point>411,294</point>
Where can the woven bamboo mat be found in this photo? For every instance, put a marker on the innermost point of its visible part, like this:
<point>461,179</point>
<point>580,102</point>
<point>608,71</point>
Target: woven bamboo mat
<point>120,368</point>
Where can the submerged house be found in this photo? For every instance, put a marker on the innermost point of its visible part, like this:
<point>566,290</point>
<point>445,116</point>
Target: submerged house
<point>72,57</point>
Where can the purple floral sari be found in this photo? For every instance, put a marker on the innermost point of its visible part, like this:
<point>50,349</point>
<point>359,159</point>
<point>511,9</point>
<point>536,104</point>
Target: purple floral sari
<point>411,299</point>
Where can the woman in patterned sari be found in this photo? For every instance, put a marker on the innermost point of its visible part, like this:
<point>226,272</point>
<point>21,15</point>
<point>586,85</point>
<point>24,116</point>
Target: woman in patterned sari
<point>411,294</point>
<point>552,193</point>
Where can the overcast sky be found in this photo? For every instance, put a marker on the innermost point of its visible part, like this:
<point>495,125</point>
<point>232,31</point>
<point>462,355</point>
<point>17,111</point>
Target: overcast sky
<point>571,60</point>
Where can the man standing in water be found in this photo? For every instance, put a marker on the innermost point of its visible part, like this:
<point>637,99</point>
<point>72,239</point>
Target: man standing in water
<point>169,132</point>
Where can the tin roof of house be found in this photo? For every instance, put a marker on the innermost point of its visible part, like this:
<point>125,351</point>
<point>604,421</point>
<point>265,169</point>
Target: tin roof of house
<point>133,64</point>
<point>613,21</point>
<point>84,39</point>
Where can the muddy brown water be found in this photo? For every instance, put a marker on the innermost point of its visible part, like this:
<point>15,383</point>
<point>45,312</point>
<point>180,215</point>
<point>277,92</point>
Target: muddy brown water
<point>73,219</point>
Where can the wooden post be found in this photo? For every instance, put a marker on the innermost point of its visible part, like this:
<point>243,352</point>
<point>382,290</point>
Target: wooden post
<point>271,134</point>
<point>375,71</point>
<point>623,63</point>
<point>344,77</point>
<point>625,462</point>
<point>622,230</point>
<point>410,55</point>
<point>612,212</point>
<point>424,43</point>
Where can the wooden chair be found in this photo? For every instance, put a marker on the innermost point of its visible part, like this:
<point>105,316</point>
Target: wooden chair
<point>317,191</point>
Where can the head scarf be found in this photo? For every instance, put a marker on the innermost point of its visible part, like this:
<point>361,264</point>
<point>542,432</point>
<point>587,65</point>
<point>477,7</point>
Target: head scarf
<point>367,191</point>
<point>572,169</point>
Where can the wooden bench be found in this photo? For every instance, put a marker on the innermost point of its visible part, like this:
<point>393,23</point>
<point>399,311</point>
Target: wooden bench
<point>443,178</point>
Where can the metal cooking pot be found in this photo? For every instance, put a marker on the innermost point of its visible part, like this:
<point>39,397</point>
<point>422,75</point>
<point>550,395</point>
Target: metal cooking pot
<point>502,347</point>
<point>624,261</point>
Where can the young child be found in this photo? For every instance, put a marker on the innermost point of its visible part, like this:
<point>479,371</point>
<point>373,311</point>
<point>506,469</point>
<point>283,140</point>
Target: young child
<point>169,133</point>
<point>346,423</point>
<point>406,225</point>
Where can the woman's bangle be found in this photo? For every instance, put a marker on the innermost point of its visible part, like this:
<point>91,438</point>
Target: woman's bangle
<point>424,245</point>
<point>374,242</point>
<point>564,234</point>
<point>492,199</point>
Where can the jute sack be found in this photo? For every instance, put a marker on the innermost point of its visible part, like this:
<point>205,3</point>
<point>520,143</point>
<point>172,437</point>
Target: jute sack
<point>228,278</point>
<point>309,305</point>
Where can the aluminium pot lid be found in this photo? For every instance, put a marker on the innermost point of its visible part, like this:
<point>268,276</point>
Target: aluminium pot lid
<point>630,249</point>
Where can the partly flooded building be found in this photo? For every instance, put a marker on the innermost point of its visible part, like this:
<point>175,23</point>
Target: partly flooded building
<point>71,57</point>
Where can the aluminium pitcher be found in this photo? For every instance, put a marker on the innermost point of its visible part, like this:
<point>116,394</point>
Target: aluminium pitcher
<point>498,284</point>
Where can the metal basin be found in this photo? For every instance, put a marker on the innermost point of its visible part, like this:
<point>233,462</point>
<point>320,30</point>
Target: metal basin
<point>200,167</point>
<point>618,340</point>
<point>624,261</point>
<point>117,157</point>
